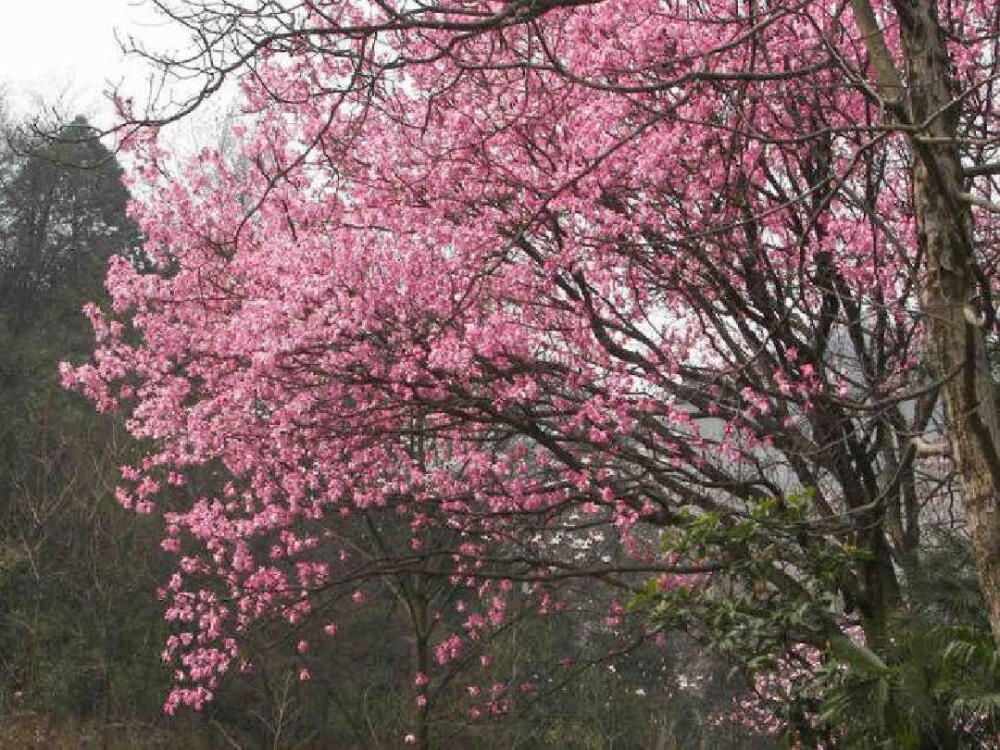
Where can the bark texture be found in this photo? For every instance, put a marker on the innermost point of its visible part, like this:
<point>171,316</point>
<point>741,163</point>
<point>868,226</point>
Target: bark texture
<point>956,338</point>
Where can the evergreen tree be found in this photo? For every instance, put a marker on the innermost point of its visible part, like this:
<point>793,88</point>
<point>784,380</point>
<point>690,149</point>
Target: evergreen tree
<point>62,215</point>
<point>76,572</point>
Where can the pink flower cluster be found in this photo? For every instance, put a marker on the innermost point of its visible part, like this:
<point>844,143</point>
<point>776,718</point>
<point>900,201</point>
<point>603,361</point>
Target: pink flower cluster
<point>509,286</point>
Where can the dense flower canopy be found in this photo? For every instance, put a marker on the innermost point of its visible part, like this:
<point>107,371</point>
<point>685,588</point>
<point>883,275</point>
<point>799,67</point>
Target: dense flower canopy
<point>520,268</point>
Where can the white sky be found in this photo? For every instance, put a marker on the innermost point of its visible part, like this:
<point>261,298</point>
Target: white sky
<point>63,54</point>
<point>65,51</point>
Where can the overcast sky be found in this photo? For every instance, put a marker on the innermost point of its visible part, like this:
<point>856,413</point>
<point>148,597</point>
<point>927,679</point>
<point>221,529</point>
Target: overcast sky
<point>67,48</point>
<point>63,54</point>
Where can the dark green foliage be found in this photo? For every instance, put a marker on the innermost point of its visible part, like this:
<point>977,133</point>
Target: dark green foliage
<point>62,215</point>
<point>931,679</point>
<point>936,683</point>
<point>777,584</point>
<point>78,625</point>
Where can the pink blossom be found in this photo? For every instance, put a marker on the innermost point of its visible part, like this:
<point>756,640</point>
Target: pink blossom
<point>599,261</point>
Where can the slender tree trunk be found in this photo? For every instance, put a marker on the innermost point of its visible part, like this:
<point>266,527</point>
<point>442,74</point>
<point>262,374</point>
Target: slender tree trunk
<point>423,728</point>
<point>956,338</point>
<point>420,624</point>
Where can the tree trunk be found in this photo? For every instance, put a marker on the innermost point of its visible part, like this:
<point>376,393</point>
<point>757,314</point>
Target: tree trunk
<point>956,339</point>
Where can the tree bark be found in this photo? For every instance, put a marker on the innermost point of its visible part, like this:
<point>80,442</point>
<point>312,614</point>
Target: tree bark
<point>955,338</point>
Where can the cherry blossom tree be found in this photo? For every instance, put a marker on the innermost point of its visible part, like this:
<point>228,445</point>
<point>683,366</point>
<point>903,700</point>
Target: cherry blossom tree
<point>584,270</point>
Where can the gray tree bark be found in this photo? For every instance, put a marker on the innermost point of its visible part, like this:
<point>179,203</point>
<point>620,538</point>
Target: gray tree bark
<point>955,333</point>
<point>927,107</point>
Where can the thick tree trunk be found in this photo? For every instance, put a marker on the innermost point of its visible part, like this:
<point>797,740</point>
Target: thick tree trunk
<point>956,340</point>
